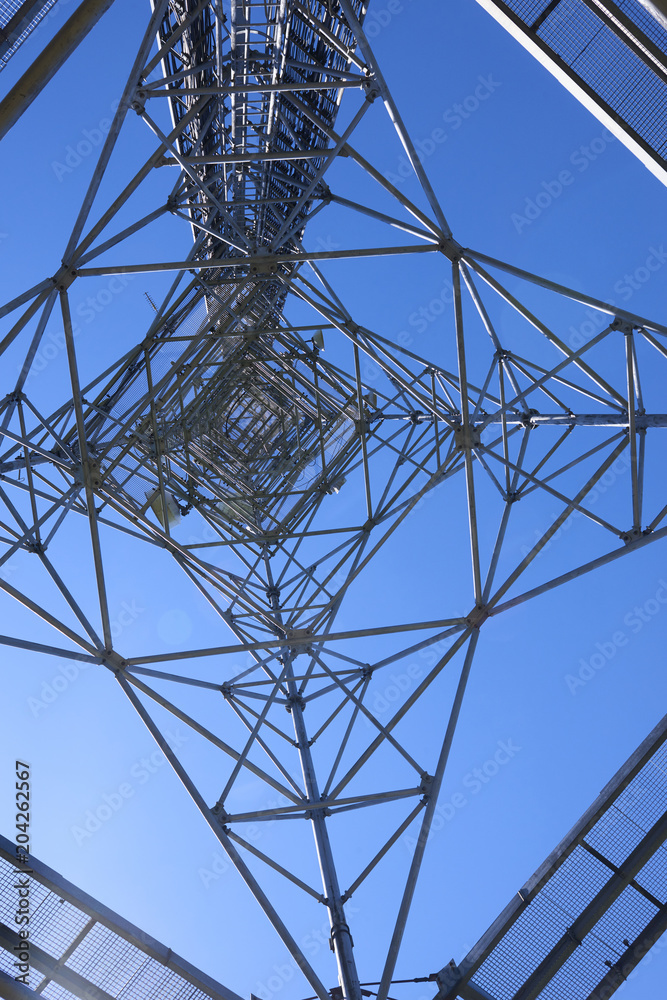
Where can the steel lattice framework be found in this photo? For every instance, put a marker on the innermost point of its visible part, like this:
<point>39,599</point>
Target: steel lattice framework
<point>226,411</point>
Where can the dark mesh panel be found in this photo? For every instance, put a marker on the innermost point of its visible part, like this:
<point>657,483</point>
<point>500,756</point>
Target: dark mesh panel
<point>617,50</point>
<point>10,40</point>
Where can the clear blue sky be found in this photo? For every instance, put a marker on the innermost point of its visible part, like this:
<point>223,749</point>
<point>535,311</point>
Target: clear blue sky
<point>496,132</point>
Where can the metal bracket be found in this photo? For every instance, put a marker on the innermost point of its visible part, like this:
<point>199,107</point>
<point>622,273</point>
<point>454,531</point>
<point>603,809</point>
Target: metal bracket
<point>259,266</point>
<point>63,278</point>
<point>220,814</point>
<point>295,699</point>
<point>449,976</point>
<point>526,418</point>
<point>425,784</point>
<point>478,616</point>
<point>138,103</point>
<point>622,325</point>
<point>114,660</point>
<point>469,437</point>
<point>298,633</point>
<point>94,471</point>
<point>634,534</point>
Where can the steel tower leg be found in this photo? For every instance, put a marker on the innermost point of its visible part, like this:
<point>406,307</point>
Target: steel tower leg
<point>36,77</point>
<point>223,406</point>
<point>341,939</point>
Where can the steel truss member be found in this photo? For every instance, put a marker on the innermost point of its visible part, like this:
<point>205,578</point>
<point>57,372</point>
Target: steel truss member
<point>226,444</point>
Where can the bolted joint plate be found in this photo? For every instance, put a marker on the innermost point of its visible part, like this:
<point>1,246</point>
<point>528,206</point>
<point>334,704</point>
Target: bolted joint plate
<point>451,248</point>
<point>295,700</point>
<point>63,278</point>
<point>262,266</point>
<point>425,785</point>
<point>220,814</point>
<point>299,647</point>
<point>94,473</point>
<point>115,661</point>
<point>449,977</point>
<point>478,616</point>
<point>634,534</point>
<point>467,437</point>
<point>138,102</point>
<point>622,325</point>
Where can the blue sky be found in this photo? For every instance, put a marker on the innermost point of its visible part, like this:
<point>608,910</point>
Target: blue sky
<point>523,174</point>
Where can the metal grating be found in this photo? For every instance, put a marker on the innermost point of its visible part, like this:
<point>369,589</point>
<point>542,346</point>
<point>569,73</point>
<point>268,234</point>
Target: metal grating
<point>17,21</point>
<point>79,948</point>
<point>590,902</point>
<point>603,60</point>
<point>613,50</point>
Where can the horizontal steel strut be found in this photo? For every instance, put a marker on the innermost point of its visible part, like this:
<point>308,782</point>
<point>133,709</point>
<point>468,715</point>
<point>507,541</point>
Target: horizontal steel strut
<point>225,434</point>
